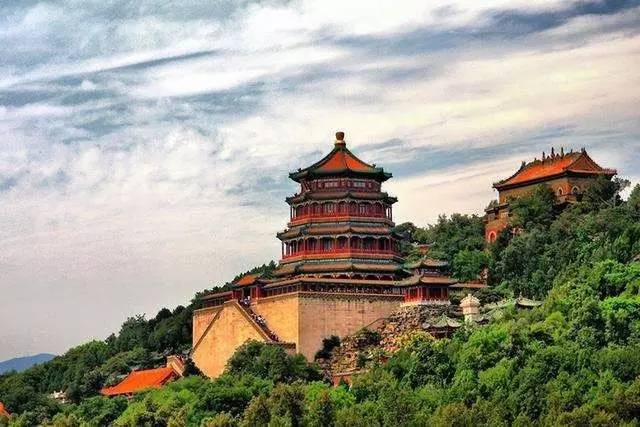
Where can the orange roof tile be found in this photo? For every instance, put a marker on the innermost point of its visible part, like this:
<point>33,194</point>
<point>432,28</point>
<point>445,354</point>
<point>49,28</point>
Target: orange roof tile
<point>140,380</point>
<point>578,162</point>
<point>344,160</point>
<point>248,279</point>
<point>339,160</point>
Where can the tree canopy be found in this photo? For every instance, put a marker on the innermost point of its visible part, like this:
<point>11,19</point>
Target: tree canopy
<point>575,360</point>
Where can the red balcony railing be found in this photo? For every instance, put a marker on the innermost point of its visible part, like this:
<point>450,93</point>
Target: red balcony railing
<point>338,215</point>
<point>340,251</point>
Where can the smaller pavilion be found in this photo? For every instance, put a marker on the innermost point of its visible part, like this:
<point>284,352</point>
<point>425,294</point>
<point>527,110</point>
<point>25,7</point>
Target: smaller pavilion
<point>430,282</point>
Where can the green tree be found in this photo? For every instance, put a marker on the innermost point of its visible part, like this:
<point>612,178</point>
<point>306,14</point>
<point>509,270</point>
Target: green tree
<point>270,362</point>
<point>468,264</point>
<point>603,192</point>
<point>450,235</point>
<point>534,209</point>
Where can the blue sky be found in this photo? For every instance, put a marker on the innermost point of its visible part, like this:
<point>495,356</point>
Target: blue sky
<point>145,145</point>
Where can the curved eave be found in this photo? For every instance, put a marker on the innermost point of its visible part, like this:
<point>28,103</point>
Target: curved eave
<point>503,185</point>
<point>332,231</point>
<point>345,218</point>
<point>350,195</point>
<point>377,173</point>
<point>339,267</point>
<point>317,280</point>
<point>342,257</point>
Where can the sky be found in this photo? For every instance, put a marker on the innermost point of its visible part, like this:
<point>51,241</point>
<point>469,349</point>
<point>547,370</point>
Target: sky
<point>145,146</point>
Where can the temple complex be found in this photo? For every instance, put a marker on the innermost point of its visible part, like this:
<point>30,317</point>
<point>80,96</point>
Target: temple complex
<point>567,174</point>
<point>340,269</point>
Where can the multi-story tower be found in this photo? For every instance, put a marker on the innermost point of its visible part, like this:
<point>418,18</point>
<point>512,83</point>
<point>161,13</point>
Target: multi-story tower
<point>340,221</point>
<point>340,271</point>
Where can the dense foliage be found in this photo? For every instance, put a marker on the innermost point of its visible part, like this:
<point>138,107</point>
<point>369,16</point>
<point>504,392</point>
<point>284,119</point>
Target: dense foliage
<point>81,372</point>
<point>573,361</point>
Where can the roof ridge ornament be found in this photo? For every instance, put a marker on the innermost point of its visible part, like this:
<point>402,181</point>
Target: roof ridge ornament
<point>340,139</point>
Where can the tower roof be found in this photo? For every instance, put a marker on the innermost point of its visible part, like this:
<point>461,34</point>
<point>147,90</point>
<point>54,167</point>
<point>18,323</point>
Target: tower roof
<point>340,162</point>
<point>552,166</point>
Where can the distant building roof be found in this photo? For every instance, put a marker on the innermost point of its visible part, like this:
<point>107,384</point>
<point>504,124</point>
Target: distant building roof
<point>340,161</point>
<point>141,380</point>
<point>3,411</point>
<point>552,166</point>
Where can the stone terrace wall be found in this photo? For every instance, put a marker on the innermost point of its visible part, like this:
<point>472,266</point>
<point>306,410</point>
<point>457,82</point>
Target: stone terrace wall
<point>323,315</point>
<point>229,330</point>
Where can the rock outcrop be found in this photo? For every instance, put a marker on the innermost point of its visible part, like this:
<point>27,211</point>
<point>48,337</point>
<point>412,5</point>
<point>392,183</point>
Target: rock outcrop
<point>377,342</point>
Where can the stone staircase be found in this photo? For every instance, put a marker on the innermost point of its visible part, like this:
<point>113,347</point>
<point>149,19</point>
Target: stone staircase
<point>259,320</point>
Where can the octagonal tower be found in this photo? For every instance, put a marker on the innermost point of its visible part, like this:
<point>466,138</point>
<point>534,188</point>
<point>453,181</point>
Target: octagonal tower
<point>341,223</point>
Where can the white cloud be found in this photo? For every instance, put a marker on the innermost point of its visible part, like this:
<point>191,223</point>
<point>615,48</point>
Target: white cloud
<point>140,185</point>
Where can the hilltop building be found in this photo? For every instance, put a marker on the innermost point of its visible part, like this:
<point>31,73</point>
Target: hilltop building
<point>341,269</point>
<point>567,174</point>
<point>147,379</point>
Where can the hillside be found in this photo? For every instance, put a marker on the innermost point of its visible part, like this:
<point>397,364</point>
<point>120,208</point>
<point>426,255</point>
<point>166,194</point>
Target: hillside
<point>19,364</point>
<point>573,361</point>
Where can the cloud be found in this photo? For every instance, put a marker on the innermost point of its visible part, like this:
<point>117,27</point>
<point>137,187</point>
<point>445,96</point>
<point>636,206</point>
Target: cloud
<point>146,146</point>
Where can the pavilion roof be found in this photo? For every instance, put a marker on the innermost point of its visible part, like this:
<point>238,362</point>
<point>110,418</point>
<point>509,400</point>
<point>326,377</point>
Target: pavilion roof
<point>443,321</point>
<point>526,302</point>
<point>552,166</point>
<point>437,280</point>
<point>248,279</point>
<point>340,161</point>
<point>427,263</point>
<point>141,380</point>
<point>471,285</point>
